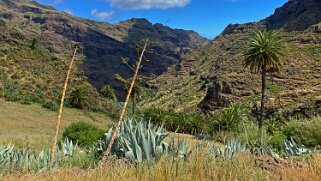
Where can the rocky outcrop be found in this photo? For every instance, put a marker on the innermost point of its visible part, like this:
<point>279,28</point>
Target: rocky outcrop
<point>272,163</point>
<point>295,15</point>
<point>219,94</point>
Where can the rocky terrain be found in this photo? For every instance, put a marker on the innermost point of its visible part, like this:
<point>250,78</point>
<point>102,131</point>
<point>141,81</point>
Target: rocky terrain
<point>103,44</point>
<point>212,77</point>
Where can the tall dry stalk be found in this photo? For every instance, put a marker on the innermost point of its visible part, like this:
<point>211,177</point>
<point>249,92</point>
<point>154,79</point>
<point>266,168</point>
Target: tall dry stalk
<point>112,140</point>
<point>53,149</point>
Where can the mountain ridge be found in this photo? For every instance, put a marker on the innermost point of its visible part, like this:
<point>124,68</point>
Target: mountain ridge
<point>104,44</point>
<point>212,77</point>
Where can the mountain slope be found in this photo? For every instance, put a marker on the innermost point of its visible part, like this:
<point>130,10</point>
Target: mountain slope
<point>104,44</point>
<point>213,76</point>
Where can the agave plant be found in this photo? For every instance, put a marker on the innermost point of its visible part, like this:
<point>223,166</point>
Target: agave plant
<point>263,150</point>
<point>181,150</point>
<point>23,159</point>
<point>138,141</point>
<point>294,149</point>
<point>230,150</point>
<point>67,147</point>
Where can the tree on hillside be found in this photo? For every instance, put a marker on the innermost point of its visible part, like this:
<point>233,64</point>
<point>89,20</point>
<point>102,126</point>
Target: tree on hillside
<point>108,92</point>
<point>78,98</point>
<point>265,50</point>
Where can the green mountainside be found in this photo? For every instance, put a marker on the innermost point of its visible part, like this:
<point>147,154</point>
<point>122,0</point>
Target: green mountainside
<point>213,76</point>
<point>103,44</point>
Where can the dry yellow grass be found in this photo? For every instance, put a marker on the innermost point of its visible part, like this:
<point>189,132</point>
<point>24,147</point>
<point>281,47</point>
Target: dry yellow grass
<point>199,167</point>
<point>33,125</point>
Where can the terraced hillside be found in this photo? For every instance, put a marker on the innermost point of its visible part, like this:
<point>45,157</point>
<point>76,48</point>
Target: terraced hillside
<point>104,44</point>
<point>213,76</point>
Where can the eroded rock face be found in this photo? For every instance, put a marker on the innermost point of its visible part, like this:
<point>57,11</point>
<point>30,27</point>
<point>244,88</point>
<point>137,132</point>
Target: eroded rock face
<point>104,44</point>
<point>295,15</point>
<point>219,94</point>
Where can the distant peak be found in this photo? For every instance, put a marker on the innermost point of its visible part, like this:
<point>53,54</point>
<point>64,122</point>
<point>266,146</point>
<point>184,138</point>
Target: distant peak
<point>295,15</point>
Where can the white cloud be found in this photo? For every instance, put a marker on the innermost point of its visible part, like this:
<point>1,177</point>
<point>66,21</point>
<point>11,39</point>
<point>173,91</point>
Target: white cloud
<point>147,4</point>
<point>103,15</point>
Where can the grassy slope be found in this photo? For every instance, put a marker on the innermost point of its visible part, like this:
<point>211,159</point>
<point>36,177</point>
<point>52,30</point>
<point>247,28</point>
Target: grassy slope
<point>34,126</point>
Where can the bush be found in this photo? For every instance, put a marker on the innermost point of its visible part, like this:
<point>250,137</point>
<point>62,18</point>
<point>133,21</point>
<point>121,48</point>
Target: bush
<point>50,105</point>
<point>85,134</point>
<point>306,132</point>
<point>3,74</point>
<point>229,119</point>
<point>12,92</point>
<point>79,98</point>
<point>108,92</point>
<point>80,159</point>
<point>180,122</point>
<point>277,141</point>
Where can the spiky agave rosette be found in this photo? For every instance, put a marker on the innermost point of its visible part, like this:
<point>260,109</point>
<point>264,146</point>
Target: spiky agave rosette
<point>26,160</point>
<point>139,141</point>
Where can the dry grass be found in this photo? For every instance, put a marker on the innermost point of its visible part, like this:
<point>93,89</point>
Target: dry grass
<point>312,172</point>
<point>34,126</point>
<point>199,167</point>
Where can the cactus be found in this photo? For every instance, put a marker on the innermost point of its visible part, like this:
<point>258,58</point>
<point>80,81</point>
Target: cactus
<point>293,149</point>
<point>139,141</point>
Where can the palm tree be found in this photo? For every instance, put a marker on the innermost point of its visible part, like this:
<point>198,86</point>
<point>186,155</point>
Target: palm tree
<point>108,92</point>
<point>265,50</point>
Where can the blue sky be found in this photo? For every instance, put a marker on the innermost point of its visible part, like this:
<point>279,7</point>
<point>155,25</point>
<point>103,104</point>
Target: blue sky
<point>207,17</point>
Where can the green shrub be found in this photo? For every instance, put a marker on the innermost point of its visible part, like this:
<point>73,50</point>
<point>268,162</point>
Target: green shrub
<point>80,159</point>
<point>180,122</point>
<point>3,74</point>
<point>50,105</point>
<point>25,101</point>
<point>229,119</point>
<point>34,43</point>
<point>276,141</point>
<point>12,92</point>
<point>306,132</point>
<point>272,126</point>
<point>108,92</point>
<point>79,98</point>
<point>85,134</point>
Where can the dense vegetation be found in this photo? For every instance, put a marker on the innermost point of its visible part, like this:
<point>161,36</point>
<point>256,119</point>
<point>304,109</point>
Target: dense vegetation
<point>247,127</point>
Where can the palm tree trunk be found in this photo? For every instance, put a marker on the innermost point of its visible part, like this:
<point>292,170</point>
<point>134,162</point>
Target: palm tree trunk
<point>53,149</point>
<point>107,152</point>
<point>261,121</point>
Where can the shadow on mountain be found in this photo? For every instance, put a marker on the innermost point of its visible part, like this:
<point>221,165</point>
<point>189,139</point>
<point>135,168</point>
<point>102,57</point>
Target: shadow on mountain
<point>166,48</point>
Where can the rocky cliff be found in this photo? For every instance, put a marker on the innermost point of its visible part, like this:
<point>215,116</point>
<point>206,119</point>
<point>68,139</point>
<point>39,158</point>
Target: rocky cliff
<point>212,77</point>
<point>103,44</point>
